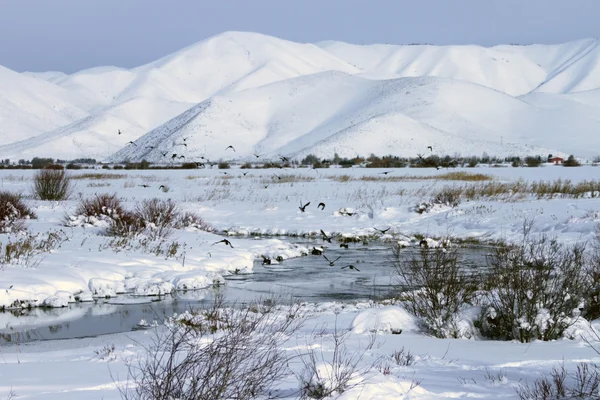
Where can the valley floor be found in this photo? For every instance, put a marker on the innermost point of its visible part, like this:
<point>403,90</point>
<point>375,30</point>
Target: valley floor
<point>359,203</point>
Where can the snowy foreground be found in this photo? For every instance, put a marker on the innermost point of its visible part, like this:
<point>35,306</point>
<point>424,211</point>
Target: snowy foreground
<point>87,265</point>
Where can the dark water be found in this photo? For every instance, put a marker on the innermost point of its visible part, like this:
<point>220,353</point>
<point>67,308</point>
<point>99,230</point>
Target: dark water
<point>309,278</point>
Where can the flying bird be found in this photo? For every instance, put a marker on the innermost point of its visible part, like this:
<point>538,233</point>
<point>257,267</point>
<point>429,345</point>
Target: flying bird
<point>227,243</point>
<point>162,187</point>
<point>278,177</point>
<point>350,266</point>
<point>284,159</point>
<point>245,173</point>
<point>303,207</point>
<point>119,132</point>
<point>185,138</point>
<point>325,237</point>
<point>181,156</point>
<point>383,231</point>
<point>420,156</point>
<point>145,186</point>
<point>321,204</point>
<point>229,147</point>
<point>174,156</point>
<point>331,263</point>
<point>430,148</point>
<point>266,186</point>
<point>165,153</point>
<point>386,172</point>
<point>151,147</point>
<point>131,142</point>
<point>344,245</point>
<point>256,155</point>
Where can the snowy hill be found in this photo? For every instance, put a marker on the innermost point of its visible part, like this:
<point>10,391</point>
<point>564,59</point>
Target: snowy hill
<point>355,116</point>
<point>269,95</point>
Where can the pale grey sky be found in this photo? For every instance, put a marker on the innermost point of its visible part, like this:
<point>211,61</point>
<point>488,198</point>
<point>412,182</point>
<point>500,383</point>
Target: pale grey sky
<point>69,35</point>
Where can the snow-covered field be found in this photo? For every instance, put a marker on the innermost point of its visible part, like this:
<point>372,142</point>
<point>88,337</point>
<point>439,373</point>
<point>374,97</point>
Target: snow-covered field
<point>85,264</point>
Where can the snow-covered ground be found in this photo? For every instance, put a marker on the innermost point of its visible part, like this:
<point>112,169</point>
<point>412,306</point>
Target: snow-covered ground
<point>358,201</point>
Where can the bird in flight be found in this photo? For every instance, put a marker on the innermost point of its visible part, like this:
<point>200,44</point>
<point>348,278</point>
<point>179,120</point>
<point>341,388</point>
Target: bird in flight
<point>151,147</point>
<point>350,266</point>
<point>344,245</point>
<point>145,186</point>
<point>321,205</point>
<point>245,173</point>
<point>266,186</point>
<point>185,138</point>
<point>229,147</point>
<point>325,237</point>
<point>161,187</point>
<point>174,156</point>
<point>227,243</point>
<point>165,153</point>
<point>386,172</point>
<point>119,132</point>
<point>420,156</point>
<point>383,231</point>
<point>430,148</point>
<point>331,263</point>
<point>303,207</point>
<point>284,159</point>
<point>256,155</point>
<point>131,142</point>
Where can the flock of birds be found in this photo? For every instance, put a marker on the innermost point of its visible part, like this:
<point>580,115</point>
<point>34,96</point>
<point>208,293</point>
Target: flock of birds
<point>302,207</point>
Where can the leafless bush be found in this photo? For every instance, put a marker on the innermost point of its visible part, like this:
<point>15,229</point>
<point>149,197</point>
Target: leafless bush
<point>449,195</point>
<point>217,353</point>
<point>107,205</point>
<point>127,224</point>
<point>592,305</point>
<point>433,287</point>
<point>403,357</point>
<point>322,378</point>
<point>13,211</point>
<point>532,289</point>
<point>584,383</point>
<point>157,216</point>
<point>52,184</point>
<point>191,220</point>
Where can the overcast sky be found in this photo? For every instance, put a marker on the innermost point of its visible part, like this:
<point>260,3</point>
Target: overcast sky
<point>69,35</point>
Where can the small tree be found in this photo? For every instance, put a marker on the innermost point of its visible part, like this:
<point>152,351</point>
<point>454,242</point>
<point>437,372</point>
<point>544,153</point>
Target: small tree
<point>533,161</point>
<point>571,162</point>
<point>434,287</point>
<point>52,184</point>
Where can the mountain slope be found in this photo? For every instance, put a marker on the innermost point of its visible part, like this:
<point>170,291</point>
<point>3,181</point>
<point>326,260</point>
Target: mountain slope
<point>275,96</point>
<point>30,106</point>
<point>334,112</point>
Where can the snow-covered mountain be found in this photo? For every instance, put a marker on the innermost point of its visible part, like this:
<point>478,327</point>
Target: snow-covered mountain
<point>270,96</point>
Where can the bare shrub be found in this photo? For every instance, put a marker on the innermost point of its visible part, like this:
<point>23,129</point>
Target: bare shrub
<point>532,289</point>
<point>592,305</point>
<point>157,216</point>
<point>13,211</point>
<point>433,287</point>
<point>107,205</point>
<point>321,378</point>
<point>52,184</point>
<point>215,353</point>
<point>191,220</point>
<point>403,357</point>
<point>449,196</point>
<point>584,383</point>
<point>125,225</point>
